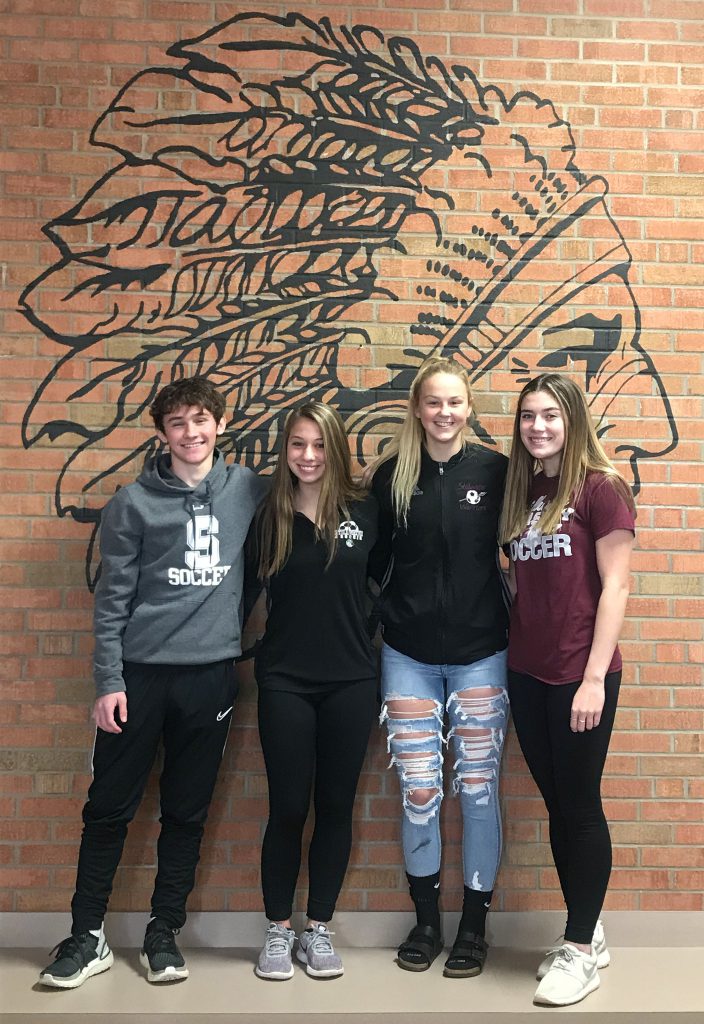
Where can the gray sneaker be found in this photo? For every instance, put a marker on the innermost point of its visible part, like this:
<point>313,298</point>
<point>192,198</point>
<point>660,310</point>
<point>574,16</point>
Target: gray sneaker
<point>315,950</point>
<point>274,961</point>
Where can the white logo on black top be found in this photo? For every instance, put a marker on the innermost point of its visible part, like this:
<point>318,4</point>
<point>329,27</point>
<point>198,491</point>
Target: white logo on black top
<point>349,532</point>
<point>416,491</point>
<point>472,497</point>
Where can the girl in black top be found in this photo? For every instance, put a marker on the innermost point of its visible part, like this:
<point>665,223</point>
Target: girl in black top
<point>316,674</point>
<point>444,655</point>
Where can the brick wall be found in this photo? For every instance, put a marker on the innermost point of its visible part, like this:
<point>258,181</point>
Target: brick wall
<point>294,209</point>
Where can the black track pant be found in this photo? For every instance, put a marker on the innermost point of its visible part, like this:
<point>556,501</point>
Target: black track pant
<point>567,768</point>
<point>311,742</point>
<point>189,707</point>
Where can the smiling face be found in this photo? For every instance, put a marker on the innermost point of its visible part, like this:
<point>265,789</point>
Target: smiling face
<point>543,429</point>
<point>443,408</point>
<point>191,433</point>
<point>305,452</point>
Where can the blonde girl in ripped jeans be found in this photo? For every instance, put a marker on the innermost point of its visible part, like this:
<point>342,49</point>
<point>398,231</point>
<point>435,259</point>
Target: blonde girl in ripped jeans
<point>444,621</point>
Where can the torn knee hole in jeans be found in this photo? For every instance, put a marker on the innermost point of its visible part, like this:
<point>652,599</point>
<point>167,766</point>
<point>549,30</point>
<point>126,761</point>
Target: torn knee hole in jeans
<point>481,706</point>
<point>398,708</point>
<point>478,755</point>
<point>413,721</point>
<point>421,790</point>
<point>415,743</point>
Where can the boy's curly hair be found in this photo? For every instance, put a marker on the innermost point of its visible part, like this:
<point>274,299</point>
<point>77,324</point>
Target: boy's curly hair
<point>198,391</point>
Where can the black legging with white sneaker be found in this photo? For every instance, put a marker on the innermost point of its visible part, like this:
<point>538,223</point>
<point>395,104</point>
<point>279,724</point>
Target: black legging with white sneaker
<point>567,767</point>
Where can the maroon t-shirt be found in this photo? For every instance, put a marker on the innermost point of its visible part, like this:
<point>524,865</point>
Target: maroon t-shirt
<point>558,582</point>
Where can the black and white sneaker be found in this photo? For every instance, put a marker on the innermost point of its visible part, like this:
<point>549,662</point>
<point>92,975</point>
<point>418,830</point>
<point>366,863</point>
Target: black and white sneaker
<point>78,957</point>
<point>160,955</point>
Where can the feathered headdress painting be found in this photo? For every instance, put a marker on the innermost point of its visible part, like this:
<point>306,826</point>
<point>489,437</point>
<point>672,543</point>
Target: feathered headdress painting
<point>287,194</point>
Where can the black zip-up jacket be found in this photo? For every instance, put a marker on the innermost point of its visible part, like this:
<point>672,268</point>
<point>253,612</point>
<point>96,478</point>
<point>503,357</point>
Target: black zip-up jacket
<point>443,601</point>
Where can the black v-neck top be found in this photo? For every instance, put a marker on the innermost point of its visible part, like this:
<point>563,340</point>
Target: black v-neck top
<point>317,628</point>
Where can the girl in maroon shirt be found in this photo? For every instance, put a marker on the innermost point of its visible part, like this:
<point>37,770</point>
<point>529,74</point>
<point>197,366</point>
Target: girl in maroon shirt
<point>568,524</point>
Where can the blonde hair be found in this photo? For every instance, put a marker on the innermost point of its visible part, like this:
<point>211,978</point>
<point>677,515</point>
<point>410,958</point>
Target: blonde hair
<point>408,441</point>
<point>275,517</point>
<point>582,454</point>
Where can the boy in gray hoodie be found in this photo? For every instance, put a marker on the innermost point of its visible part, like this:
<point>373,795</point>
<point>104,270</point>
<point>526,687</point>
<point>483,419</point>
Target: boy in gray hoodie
<point>167,630</point>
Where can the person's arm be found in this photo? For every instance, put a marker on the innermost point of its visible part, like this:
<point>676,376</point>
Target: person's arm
<point>252,586</point>
<point>511,578</point>
<point>613,556</point>
<point>120,550</point>
<point>380,555</point>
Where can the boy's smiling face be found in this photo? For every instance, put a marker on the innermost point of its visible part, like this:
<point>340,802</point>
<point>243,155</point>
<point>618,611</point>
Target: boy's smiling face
<point>191,433</point>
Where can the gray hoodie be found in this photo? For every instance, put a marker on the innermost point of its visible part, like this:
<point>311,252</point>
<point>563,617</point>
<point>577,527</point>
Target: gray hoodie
<point>172,564</point>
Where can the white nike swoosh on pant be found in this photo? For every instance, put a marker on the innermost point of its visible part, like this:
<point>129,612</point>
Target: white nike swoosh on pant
<point>221,714</point>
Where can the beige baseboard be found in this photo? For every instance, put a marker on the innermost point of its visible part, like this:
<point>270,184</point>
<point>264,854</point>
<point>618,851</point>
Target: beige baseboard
<point>364,929</point>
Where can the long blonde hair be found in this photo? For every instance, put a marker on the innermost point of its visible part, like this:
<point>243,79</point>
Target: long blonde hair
<point>409,440</point>
<point>582,453</point>
<point>275,517</point>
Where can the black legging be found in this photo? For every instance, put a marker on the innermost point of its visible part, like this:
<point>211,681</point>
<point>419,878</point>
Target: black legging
<point>567,768</point>
<point>319,742</point>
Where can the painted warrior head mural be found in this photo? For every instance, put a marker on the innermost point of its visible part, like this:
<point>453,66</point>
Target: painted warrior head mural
<point>272,228</point>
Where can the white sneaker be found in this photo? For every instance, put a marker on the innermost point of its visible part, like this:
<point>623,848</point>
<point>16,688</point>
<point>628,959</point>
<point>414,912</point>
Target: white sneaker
<point>603,957</point>
<point>572,976</point>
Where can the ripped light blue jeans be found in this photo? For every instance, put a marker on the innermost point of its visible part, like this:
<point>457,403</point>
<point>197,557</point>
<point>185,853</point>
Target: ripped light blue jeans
<point>416,697</point>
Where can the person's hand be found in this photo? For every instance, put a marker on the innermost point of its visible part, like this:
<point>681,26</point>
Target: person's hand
<point>587,706</point>
<point>104,711</point>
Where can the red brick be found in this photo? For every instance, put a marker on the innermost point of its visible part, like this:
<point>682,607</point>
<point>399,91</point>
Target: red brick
<point>23,878</point>
<point>50,807</point>
<point>671,901</point>
<point>672,810</point>
<point>630,84</point>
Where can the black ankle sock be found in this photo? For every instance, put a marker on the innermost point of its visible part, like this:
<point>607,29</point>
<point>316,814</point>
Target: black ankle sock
<point>425,893</point>
<point>474,910</point>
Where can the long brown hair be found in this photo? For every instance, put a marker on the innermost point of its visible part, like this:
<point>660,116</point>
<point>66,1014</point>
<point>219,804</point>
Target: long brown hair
<point>409,439</point>
<point>582,453</point>
<point>275,517</point>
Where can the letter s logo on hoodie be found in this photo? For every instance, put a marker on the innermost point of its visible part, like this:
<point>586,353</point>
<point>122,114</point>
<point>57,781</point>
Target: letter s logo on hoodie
<point>202,556</point>
<point>201,537</point>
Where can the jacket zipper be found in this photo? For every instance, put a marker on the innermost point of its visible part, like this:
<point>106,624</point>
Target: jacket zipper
<point>443,594</point>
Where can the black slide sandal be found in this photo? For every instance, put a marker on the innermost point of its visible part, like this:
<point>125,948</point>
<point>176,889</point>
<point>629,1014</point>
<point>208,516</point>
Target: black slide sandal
<point>419,950</point>
<point>467,956</point>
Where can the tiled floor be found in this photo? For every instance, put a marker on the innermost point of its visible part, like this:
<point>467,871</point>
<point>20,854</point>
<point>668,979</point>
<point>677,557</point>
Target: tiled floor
<point>648,986</point>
